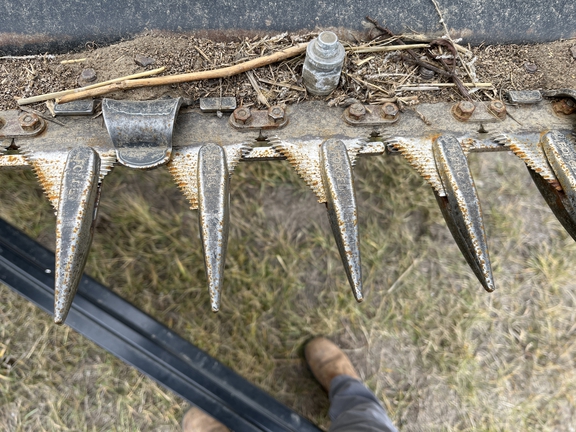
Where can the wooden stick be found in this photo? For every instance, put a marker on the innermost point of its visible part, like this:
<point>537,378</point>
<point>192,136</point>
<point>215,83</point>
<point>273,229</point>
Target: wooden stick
<point>259,95</point>
<point>464,65</point>
<point>424,38</point>
<point>282,84</point>
<point>47,96</point>
<point>360,50</point>
<point>366,83</point>
<point>193,76</point>
<point>29,57</point>
<point>438,85</point>
<point>73,61</point>
<point>464,84</point>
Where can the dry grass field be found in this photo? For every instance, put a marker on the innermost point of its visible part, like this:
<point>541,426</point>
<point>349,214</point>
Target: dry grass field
<point>440,353</point>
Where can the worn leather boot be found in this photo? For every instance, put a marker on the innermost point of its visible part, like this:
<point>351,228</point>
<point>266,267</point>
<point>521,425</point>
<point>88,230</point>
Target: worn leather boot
<point>327,361</point>
<point>196,420</point>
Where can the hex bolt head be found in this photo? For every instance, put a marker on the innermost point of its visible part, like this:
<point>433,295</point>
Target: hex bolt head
<point>88,75</point>
<point>463,110</point>
<point>390,111</point>
<point>29,122</point>
<point>242,114</point>
<point>498,109</point>
<point>276,113</point>
<point>357,111</point>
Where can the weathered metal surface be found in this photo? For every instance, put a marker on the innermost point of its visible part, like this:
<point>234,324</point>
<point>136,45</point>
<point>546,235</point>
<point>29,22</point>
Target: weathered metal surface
<point>528,148</point>
<point>317,120</point>
<point>479,112</point>
<point>13,161</point>
<point>565,106</point>
<point>304,156</point>
<point>562,158</point>
<point>418,153</point>
<point>47,153</point>
<point>141,130</point>
<point>215,104</point>
<point>551,160</point>
<point>524,97</point>
<point>461,207</point>
<point>244,118</point>
<point>184,167</point>
<point>79,107</point>
<point>342,209</point>
<point>301,142</point>
<point>49,168</point>
<point>14,124</point>
<point>263,154</point>
<point>557,201</point>
<point>214,215</point>
<point>79,194</point>
<point>560,93</point>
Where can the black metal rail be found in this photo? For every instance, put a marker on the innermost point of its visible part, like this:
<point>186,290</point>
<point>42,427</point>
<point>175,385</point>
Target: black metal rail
<point>139,340</point>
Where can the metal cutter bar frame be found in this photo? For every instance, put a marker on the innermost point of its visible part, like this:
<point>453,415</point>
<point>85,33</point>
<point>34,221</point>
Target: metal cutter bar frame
<point>322,143</point>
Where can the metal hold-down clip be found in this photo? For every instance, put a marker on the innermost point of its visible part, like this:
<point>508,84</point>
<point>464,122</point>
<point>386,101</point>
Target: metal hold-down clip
<point>141,131</point>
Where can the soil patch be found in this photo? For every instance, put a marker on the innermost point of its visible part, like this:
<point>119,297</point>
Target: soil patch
<point>368,77</point>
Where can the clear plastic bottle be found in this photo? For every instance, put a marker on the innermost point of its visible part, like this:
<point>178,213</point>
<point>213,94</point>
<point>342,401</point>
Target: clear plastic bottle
<point>323,64</point>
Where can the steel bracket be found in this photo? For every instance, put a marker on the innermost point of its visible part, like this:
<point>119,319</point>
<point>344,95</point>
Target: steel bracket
<point>14,124</point>
<point>244,118</point>
<point>371,115</point>
<point>141,131</point>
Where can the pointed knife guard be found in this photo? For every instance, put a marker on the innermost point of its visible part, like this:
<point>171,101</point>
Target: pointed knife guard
<point>557,202</point>
<point>214,215</point>
<point>461,207</point>
<point>141,131</point>
<point>342,209</point>
<point>561,156</point>
<point>77,205</point>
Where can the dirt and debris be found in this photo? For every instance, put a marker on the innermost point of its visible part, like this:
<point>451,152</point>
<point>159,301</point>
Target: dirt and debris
<point>371,77</point>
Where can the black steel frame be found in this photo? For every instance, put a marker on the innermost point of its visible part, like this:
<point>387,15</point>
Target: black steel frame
<point>139,340</point>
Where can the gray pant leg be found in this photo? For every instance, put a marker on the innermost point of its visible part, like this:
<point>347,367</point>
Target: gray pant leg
<point>354,408</point>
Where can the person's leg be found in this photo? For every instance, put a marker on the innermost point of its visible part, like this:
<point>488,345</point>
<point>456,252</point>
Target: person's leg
<point>355,408</point>
<point>196,420</point>
<point>352,406</point>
